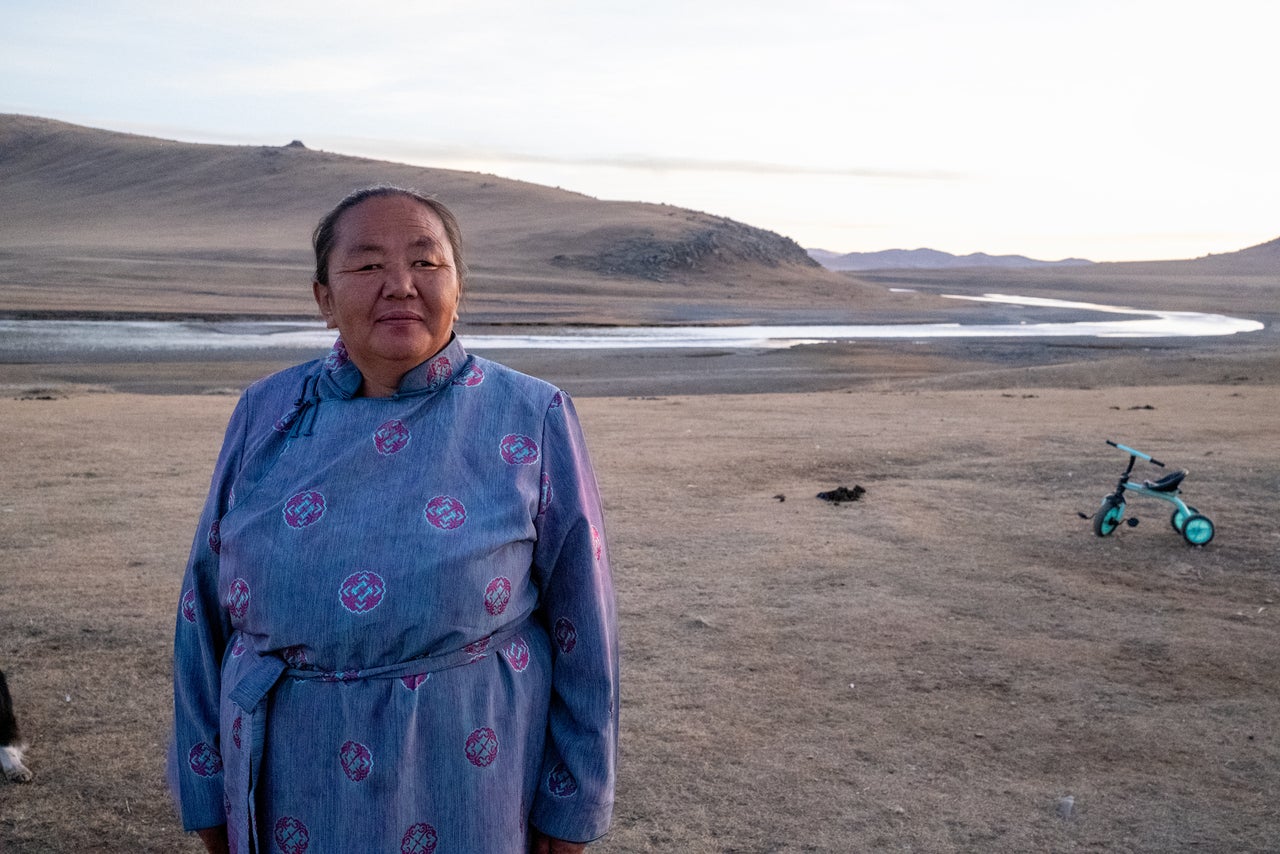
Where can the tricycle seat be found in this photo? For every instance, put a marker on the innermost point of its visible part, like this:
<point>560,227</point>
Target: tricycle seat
<point>1168,483</point>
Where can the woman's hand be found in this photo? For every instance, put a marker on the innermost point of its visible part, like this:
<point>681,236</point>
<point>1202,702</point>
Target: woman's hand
<point>215,839</point>
<point>540,843</point>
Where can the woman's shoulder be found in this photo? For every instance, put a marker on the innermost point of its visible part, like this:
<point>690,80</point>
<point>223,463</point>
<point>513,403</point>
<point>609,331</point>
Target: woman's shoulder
<point>285,381</point>
<point>280,389</point>
<point>513,384</point>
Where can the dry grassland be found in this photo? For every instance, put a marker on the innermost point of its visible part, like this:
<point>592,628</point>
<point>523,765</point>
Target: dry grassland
<point>934,668</point>
<point>952,664</point>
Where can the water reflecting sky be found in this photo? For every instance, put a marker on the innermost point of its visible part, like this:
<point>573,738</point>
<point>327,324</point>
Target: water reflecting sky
<point>27,339</point>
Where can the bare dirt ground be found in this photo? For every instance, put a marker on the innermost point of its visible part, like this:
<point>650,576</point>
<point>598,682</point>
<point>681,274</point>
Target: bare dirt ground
<point>952,664</point>
<point>938,667</point>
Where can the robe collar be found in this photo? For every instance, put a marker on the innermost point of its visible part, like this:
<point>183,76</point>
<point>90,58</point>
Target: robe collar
<point>430,376</point>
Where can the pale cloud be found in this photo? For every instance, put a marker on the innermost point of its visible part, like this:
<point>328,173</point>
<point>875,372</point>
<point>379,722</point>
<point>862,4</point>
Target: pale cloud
<point>971,126</point>
<point>299,75</point>
<point>438,154</point>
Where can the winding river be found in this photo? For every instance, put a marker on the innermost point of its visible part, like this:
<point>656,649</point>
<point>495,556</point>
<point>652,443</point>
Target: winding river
<point>28,340</point>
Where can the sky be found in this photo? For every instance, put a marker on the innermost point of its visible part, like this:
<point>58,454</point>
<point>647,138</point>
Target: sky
<point>1104,129</point>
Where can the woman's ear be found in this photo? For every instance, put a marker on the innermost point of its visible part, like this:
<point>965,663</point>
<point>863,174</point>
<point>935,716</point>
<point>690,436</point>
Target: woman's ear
<point>324,299</point>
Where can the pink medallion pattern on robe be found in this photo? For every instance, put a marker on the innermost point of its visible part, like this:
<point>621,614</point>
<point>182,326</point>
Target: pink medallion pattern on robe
<point>391,437</point>
<point>446,512</point>
<point>560,782</point>
<point>482,747</point>
<point>291,835</point>
<point>497,595</point>
<point>471,377</point>
<point>420,838</point>
<point>439,371</point>
<point>304,509</point>
<point>361,591</point>
<point>518,450</point>
<point>516,652</point>
<point>566,635</point>
<point>238,599</point>
<point>204,760</point>
<point>338,356</point>
<point>357,761</point>
<point>412,682</point>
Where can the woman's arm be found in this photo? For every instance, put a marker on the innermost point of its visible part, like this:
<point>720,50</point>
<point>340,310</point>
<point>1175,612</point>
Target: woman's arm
<point>200,637</point>
<point>574,798</point>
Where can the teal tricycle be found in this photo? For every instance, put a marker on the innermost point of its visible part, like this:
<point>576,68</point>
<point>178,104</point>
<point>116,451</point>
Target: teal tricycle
<point>1195,527</point>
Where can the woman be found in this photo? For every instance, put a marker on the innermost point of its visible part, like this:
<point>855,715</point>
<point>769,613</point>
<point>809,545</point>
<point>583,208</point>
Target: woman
<point>397,628</point>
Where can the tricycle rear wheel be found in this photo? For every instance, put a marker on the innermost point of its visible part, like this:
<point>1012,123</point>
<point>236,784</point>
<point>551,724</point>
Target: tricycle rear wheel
<point>1197,530</point>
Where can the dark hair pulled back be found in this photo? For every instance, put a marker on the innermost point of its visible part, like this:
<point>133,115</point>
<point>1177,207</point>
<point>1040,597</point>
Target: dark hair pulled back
<point>323,237</point>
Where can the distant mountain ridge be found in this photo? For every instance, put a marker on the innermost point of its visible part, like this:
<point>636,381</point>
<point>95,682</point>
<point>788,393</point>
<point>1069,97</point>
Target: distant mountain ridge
<point>929,259</point>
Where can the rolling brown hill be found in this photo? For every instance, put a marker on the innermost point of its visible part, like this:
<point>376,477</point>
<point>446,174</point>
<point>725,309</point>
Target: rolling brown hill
<point>1263,258</point>
<point>99,222</point>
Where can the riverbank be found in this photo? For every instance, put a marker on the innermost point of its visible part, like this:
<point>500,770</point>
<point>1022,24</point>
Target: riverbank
<point>1080,361</point>
<point>982,363</point>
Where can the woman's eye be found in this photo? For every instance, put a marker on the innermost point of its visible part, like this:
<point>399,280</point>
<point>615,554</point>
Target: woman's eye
<point>425,263</point>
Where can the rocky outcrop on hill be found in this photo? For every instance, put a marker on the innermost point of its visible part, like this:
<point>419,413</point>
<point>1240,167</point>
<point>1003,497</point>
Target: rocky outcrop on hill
<point>660,258</point>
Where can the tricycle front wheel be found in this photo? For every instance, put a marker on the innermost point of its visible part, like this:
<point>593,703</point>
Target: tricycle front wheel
<point>1108,517</point>
<point>1178,518</point>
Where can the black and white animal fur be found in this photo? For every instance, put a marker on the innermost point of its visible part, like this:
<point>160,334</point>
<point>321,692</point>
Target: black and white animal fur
<point>11,745</point>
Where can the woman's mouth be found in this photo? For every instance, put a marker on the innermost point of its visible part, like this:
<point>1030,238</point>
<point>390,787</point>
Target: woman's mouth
<point>399,317</point>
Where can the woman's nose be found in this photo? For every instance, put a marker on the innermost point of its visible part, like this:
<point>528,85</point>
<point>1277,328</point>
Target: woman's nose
<point>398,282</point>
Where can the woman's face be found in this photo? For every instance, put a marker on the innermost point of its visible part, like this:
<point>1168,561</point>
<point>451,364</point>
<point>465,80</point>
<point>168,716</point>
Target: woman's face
<point>393,289</point>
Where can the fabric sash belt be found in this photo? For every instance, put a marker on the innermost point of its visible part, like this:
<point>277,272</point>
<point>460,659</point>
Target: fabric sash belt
<point>264,674</point>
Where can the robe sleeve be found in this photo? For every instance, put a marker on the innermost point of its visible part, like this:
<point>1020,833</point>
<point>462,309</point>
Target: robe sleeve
<point>574,798</point>
<point>200,638</point>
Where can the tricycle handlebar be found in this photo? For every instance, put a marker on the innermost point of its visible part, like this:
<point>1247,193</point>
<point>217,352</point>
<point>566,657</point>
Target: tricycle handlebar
<point>1129,450</point>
